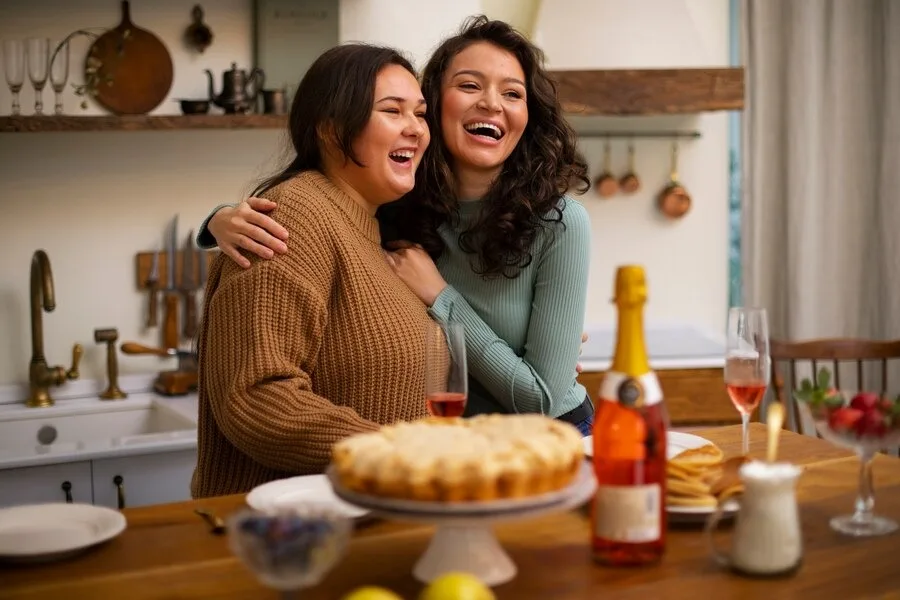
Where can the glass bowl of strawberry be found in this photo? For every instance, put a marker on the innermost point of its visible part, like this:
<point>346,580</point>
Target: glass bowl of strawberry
<point>864,422</point>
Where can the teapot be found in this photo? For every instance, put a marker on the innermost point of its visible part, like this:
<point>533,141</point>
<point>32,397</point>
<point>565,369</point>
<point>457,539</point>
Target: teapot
<point>234,97</point>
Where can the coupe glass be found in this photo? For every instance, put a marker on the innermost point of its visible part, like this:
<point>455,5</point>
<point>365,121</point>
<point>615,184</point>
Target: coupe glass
<point>38,51</point>
<point>863,522</point>
<point>14,68</point>
<point>446,378</point>
<point>59,73</point>
<point>290,548</point>
<point>747,363</point>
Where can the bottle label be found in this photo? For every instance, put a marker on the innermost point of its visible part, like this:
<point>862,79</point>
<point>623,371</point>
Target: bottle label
<point>631,391</point>
<point>628,513</point>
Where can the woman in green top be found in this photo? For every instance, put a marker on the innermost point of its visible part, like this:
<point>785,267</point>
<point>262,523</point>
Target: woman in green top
<point>488,232</point>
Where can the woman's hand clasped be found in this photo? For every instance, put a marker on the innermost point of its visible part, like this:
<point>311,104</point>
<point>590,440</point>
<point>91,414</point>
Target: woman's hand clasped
<point>416,269</point>
<point>248,226</point>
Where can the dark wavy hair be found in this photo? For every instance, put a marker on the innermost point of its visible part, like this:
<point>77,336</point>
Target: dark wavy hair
<point>525,197</point>
<point>335,96</point>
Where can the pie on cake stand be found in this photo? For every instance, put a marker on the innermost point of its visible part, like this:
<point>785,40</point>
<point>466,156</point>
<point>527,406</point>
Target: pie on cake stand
<point>464,475</point>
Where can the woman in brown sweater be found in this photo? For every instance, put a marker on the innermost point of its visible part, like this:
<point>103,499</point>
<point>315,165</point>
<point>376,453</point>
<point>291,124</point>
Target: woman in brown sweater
<point>324,341</point>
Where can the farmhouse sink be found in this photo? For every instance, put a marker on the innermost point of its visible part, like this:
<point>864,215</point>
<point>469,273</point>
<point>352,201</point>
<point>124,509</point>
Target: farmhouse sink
<point>72,425</point>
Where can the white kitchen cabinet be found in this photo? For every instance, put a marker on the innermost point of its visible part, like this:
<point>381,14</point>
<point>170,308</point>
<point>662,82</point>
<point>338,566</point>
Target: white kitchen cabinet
<point>144,479</point>
<point>63,482</point>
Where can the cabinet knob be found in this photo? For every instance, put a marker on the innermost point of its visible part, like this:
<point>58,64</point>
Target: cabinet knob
<point>67,489</point>
<point>120,490</point>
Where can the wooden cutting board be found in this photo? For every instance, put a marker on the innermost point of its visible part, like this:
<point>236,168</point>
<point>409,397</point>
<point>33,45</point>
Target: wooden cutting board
<point>135,68</point>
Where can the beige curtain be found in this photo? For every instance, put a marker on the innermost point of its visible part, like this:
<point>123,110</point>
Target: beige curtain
<point>821,188</point>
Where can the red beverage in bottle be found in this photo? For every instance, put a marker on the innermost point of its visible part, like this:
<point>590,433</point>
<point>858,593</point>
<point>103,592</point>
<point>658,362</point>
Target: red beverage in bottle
<point>446,404</point>
<point>628,519</point>
<point>746,395</point>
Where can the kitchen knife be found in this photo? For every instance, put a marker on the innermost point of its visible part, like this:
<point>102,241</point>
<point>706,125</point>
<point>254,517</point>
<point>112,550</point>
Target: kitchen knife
<point>189,287</point>
<point>170,326</point>
<point>152,284</point>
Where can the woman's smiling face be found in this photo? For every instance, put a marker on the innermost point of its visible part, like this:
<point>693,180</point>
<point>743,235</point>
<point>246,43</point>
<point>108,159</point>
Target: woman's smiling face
<point>484,108</point>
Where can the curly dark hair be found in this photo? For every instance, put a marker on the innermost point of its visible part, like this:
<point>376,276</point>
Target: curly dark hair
<point>524,198</point>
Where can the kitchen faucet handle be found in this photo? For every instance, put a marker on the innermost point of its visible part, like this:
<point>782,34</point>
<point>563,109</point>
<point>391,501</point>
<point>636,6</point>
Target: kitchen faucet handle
<point>77,353</point>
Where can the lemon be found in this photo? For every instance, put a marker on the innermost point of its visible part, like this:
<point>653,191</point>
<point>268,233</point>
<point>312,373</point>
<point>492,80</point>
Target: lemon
<point>457,586</point>
<point>371,592</point>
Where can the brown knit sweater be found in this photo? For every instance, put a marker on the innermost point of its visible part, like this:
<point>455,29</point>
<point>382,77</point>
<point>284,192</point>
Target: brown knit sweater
<point>299,351</point>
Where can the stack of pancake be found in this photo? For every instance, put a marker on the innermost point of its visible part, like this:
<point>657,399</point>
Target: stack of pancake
<point>701,477</point>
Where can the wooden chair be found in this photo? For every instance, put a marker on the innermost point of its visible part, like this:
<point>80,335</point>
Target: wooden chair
<point>830,353</point>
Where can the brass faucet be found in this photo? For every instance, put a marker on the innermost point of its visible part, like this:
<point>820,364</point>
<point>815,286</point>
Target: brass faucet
<point>40,375</point>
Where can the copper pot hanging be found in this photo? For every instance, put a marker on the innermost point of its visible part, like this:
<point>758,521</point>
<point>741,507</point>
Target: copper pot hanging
<point>606,183</point>
<point>629,181</point>
<point>674,201</point>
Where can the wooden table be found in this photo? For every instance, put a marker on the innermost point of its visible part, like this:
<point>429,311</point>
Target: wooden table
<point>168,552</point>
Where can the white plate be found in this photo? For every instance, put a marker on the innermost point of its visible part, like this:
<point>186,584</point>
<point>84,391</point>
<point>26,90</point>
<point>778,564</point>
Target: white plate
<point>43,532</point>
<point>294,490</point>
<point>677,442</point>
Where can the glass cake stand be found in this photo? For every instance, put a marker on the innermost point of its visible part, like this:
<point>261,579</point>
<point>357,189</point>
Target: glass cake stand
<point>464,540</point>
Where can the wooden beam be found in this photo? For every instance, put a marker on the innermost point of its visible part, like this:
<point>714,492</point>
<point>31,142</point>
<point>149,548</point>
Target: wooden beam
<point>650,92</point>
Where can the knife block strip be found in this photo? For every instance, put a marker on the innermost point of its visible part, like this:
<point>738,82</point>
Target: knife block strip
<point>144,261</point>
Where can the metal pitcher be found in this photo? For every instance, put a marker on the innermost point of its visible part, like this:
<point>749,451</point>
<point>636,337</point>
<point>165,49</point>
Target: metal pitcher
<point>235,97</point>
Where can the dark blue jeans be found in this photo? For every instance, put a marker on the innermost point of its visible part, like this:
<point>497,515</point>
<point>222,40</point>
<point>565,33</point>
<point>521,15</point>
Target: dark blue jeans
<point>585,427</point>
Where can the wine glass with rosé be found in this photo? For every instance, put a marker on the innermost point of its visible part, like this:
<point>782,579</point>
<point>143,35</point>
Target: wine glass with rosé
<point>446,378</point>
<point>747,363</point>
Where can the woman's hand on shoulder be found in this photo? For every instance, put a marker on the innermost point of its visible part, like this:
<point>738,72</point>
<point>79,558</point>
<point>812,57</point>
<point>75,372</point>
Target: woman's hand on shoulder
<point>247,226</point>
<point>416,269</point>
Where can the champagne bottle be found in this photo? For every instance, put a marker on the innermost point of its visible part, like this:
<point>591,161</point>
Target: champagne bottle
<point>628,517</point>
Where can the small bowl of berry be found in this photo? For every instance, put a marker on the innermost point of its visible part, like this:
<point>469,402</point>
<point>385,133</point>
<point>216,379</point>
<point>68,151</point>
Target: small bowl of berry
<point>290,548</point>
<point>864,422</point>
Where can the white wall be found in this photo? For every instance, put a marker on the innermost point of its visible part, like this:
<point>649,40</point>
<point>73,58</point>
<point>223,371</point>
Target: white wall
<point>686,260</point>
<point>93,200</point>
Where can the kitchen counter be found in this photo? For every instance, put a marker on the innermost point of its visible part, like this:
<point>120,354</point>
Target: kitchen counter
<point>168,552</point>
<point>669,346</point>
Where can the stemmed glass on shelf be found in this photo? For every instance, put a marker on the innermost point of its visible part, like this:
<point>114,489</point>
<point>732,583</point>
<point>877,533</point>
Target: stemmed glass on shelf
<point>59,73</point>
<point>747,363</point>
<point>446,379</point>
<point>14,69</point>
<point>38,50</point>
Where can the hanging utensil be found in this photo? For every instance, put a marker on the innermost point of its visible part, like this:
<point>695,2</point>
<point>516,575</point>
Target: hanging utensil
<point>131,69</point>
<point>630,182</point>
<point>198,35</point>
<point>606,183</point>
<point>674,201</point>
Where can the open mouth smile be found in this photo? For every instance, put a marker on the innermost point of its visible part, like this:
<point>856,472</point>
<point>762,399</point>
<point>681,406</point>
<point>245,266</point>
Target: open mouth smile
<point>484,130</point>
<point>402,156</point>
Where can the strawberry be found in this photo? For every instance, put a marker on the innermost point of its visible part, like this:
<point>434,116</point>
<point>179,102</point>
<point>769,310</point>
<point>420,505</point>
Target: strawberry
<point>872,423</point>
<point>844,419</point>
<point>865,401</point>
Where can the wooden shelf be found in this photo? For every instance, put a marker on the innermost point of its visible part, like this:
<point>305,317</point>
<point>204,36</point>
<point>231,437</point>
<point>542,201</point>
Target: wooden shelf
<point>592,92</point>
<point>650,91</point>
<point>32,124</point>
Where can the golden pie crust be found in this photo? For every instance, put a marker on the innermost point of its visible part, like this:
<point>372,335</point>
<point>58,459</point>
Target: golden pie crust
<point>486,457</point>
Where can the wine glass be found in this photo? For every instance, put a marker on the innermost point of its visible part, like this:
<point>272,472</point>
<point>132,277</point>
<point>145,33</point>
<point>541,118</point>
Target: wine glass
<point>747,363</point>
<point>59,73</point>
<point>14,67</point>
<point>38,50</point>
<point>446,379</point>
